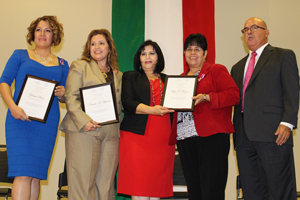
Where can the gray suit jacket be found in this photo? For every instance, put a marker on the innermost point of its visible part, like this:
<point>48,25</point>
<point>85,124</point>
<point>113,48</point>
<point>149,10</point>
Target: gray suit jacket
<point>83,74</point>
<point>272,95</point>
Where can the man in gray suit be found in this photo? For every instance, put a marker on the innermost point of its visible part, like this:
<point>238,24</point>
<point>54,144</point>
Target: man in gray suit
<point>269,84</point>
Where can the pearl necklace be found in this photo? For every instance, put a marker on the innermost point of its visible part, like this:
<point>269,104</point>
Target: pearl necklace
<point>42,59</point>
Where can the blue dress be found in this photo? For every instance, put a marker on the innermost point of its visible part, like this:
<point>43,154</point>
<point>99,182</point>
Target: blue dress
<point>30,144</point>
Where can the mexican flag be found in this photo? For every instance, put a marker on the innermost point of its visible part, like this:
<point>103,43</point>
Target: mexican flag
<point>167,22</point>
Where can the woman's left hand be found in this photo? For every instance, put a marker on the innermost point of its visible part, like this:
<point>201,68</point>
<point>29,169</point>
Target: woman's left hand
<point>91,126</point>
<point>59,91</point>
<point>200,98</point>
<point>159,110</point>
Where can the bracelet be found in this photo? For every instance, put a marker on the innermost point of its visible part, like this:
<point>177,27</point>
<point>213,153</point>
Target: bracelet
<point>204,97</point>
<point>59,98</point>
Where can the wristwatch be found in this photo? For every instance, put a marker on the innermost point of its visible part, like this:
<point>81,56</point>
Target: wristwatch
<point>204,97</point>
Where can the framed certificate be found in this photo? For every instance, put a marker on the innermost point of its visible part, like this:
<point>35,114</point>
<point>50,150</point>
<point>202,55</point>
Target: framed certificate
<point>36,97</point>
<point>178,93</point>
<point>99,102</point>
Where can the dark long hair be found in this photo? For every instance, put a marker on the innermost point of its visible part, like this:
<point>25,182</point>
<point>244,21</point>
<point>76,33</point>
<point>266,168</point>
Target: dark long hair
<point>160,57</point>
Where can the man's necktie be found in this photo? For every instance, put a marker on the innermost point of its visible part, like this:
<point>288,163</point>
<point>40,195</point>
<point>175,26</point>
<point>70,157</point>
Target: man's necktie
<point>248,75</point>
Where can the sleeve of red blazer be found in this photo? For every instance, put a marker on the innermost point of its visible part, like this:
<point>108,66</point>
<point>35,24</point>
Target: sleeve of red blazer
<point>228,94</point>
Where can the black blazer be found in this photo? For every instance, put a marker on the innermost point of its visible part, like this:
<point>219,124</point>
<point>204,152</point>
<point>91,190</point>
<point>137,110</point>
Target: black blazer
<point>271,97</point>
<point>135,90</point>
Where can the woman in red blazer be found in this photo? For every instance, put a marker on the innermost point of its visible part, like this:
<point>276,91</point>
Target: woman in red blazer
<point>202,136</point>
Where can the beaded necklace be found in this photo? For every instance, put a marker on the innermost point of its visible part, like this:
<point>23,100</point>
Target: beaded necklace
<point>42,59</point>
<point>152,88</point>
<point>105,73</point>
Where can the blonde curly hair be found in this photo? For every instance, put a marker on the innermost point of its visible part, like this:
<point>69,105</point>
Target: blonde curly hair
<point>55,26</point>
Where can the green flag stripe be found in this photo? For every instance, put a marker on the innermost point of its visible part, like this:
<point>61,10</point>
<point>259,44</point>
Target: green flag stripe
<point>128,27</point>
<point>128,31</point>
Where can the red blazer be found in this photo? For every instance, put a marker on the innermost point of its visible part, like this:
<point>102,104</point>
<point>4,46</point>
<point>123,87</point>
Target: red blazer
<point>215,116</point>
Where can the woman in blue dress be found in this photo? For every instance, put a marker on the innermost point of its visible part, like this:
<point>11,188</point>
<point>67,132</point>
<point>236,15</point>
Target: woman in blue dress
<point>30,143</point>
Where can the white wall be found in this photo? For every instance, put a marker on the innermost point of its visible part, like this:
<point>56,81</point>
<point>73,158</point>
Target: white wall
<point>163,22</point>
<point>78,18</point>
<point>283,19</point>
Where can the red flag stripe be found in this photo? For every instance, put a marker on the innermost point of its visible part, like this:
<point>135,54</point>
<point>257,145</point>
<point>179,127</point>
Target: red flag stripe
<point>198,16</point>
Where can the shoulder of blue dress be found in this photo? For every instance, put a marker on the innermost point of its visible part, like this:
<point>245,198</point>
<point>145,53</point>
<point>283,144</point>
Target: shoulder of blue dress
<point>62,62</point>
<point>23,53</point>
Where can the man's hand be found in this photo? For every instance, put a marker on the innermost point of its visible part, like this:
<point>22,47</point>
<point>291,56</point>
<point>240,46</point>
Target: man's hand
<point>283,133</point>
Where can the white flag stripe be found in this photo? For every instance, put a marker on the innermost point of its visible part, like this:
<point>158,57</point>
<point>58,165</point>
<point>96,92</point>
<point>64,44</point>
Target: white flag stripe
<point>163,24</point>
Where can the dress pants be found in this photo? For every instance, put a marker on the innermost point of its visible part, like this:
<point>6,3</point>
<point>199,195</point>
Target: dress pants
<point>91,163</point>
<point>205,165</point>
<point>266,170</point>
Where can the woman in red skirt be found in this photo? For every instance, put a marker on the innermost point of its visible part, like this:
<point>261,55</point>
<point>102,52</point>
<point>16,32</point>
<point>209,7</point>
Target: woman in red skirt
<point>146,160</point>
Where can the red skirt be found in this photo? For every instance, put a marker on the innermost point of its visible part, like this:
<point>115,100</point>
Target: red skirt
<point>146,162</point>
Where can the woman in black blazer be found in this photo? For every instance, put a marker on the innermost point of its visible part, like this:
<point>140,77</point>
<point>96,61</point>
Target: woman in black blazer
<point>146,159</point>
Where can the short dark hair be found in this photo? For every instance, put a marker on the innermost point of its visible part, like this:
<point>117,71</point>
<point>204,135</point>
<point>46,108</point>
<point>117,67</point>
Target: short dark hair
<point>196,39</point>
<point>54,25</point>
<point>160,57</point>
